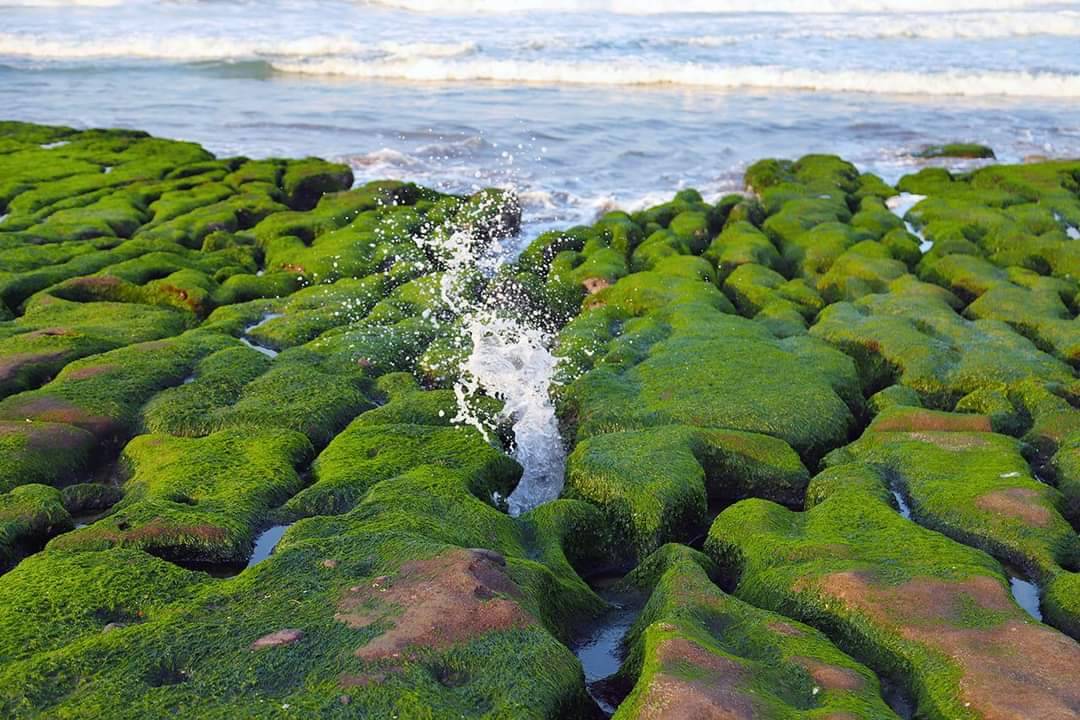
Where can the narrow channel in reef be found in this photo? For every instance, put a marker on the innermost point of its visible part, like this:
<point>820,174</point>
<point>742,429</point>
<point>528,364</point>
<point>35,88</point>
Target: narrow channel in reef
<point>503,348</point>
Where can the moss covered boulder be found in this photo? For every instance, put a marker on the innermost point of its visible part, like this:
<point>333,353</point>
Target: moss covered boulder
<point>696,651</point>
<point>908,601</point>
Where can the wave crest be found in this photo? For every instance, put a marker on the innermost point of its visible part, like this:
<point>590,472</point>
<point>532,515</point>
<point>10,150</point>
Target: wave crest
<point>668,7</point>
<point>1014,84</point>
<point>198,47</point>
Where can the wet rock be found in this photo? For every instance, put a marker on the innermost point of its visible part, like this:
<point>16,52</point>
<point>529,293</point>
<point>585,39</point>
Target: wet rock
<point>698,652</point>
<point>957,150</point>
<point>489,555</point>
<point>443,601</point>
<point>242,473</point>
<point>900,593</point>
<point>718,351</point>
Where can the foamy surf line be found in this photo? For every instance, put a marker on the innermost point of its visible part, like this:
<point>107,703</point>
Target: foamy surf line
<point>665,7</point>
<point>195,47</point>
<point>635,7</point>
<point>959,26</point>
<point>1012,84</point>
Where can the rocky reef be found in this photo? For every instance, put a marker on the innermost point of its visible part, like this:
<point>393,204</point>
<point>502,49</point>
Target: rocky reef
<point>823,444</point>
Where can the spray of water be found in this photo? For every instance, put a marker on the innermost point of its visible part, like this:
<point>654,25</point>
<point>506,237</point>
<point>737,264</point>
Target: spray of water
<point>511,361</point>
<point>506,356</point>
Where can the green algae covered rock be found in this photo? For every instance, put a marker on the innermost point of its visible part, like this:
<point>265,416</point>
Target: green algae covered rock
<point>29,515</point>
<point>305,181</point>
<point>912,335</point>
<point>199,499</point>
<point>972,485</point>
<point>657,372</point>
<point>364,454</point>
<point>193,407</point>
<point>420,592</point>
<point>907,601</point>
<point>656,484</point>
<point>957,150</point>
<point>233,482</point>
<point>698,652</point>
<point>43,452</point>
<point>54,599</point>
<point>740,244</point>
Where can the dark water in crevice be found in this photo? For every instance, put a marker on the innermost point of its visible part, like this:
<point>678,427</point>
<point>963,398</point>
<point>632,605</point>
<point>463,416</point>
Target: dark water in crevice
<point>247,340</point>
<point>82,520</point>
<point>109,470</point>
<point>1026,594</point>
<point>897,698</point>
<point>715,507</point>
<point>265,543</point>
<point>598,644</point>
<point>901,505</point>
<point>1024,591</point>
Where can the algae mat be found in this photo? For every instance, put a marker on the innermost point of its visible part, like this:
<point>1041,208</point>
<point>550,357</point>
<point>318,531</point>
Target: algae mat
<point>820,440</point>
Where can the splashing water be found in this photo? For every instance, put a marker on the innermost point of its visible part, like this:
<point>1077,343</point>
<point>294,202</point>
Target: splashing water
<point>507,359</point>
<point>511,362</point>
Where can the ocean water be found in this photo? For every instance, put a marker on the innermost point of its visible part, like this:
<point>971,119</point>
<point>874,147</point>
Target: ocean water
<point>581,105</point>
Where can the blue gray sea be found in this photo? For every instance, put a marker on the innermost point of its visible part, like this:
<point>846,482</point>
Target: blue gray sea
<point>581,105</point>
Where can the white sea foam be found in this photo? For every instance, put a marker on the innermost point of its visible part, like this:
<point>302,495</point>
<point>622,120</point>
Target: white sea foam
<point>63,3</point>
<point>507,358</point>
<point>186,47</point>
<point>900,205</point>
<point>510,360</point>
<point>955,26</point>
<point>428,49</point>
<point>632,7</point>
<point>628,74</point>
<point>382,158</point>
<point>666,7</point>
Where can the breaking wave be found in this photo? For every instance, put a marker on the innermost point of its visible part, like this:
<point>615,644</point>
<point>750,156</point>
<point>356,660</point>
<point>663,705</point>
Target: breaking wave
<point>200,47</point>
<point>667,7</point>
<point>978,83</point>
<point>982,26</point>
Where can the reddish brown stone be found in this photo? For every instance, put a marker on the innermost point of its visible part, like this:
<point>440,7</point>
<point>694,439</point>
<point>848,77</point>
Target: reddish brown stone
<point>55,410</point>
<point>595,285</point>
<point>914,420</point>
<point>785,629</point>
<point>435,603</point>
<point>50,332</point>
<point>1023,503</point>
<point>830,677</point>
<point>714,693</point>
<point>12,365</point>
<point>1013,670</point>
<point>159,528</point>
<point>88,371</point>
<point>95,282</point>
